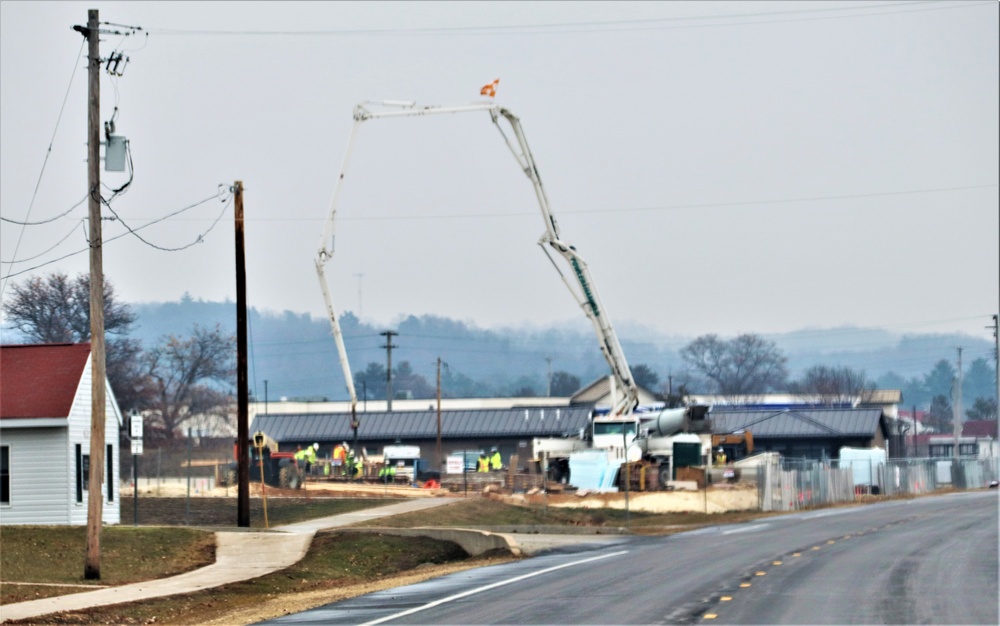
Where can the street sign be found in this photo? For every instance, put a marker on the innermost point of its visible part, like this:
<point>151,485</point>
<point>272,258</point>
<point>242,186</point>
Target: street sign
<point>137,447</point>
<point>136,426</point>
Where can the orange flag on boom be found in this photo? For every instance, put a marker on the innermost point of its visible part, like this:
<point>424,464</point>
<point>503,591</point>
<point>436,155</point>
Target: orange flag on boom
<point>490,89</point>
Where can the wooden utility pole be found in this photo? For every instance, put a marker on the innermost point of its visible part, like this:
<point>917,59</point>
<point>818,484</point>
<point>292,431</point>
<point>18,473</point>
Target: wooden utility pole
<point>996,356</point>
<point>956,413</point>
<point>437,449</point>
<point>388,334</point>
<point>95,491</point>
<point>242,383</point>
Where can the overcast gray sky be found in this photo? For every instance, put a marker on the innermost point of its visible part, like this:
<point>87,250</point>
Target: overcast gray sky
<point>723,167</point>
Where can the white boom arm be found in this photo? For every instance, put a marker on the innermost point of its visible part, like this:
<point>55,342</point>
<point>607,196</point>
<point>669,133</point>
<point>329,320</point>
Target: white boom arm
<point>583,288</point>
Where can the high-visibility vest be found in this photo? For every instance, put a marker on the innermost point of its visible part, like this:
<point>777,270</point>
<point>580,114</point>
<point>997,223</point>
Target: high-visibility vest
<point>310,454</point>
<point>495,461</point>
<point>484,464</point>
<point>300,455</point>
<point>339,453</point>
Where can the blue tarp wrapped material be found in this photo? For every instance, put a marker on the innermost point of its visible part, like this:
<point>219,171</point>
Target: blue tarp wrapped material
<point>593,470</point>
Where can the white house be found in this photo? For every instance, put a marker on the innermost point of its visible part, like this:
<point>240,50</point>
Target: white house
<point>45,396</point>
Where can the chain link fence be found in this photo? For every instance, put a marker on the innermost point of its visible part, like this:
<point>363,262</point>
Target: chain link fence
<point>794,484</point>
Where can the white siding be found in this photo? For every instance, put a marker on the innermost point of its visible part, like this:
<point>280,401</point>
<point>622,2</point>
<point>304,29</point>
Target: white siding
<point>39,490</point>
<point>43,465</point>
<point>79,433</point>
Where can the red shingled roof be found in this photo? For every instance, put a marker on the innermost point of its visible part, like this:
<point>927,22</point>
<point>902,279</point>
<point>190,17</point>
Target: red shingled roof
<point>980,428</point>
<point>40,380</point>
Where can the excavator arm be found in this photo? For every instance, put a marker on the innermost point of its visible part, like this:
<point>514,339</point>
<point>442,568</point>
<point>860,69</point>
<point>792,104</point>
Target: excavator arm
<point>579,282</point>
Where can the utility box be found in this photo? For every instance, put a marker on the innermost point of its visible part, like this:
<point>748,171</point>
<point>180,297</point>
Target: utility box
<point>114,154</point>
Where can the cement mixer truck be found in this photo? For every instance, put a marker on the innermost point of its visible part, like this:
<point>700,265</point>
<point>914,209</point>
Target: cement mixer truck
<point>666,439</point>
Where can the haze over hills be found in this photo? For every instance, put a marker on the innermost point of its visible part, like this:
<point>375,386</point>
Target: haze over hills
<point>296,355</point>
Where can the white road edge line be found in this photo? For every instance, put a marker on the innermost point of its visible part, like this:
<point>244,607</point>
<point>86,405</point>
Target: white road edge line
<point>509,581</point>
<point>746,529</point>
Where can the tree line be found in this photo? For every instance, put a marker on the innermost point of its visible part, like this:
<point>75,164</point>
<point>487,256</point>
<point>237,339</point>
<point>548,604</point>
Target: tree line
<point>187,380</point>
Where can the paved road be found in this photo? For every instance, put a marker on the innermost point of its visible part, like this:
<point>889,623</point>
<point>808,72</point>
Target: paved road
<point>930,560</point>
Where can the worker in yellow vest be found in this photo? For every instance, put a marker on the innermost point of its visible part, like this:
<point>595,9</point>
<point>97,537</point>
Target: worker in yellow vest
<point>340,458</point>
<point>484,463</point>
<point>496,464</point>
<point>311,456</point>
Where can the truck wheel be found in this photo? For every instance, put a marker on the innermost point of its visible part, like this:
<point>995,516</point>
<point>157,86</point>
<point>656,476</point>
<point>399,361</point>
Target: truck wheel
<point>289,478</point>
<point>664,476</point>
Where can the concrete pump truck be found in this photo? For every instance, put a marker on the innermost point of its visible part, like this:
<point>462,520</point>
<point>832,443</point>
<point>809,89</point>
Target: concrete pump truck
<point>622,432</point>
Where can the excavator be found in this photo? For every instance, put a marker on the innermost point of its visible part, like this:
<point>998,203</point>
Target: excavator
<point>615,431</point>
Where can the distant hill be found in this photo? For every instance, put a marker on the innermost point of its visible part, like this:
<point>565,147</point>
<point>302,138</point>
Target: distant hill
<point>295,352</point>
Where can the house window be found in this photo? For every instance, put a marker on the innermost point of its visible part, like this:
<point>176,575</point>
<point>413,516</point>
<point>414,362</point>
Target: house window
<point>968,449</point>
<point>82,472</point>
<point>4,474</point>
<point>110,457</point>
<point>940,449</point>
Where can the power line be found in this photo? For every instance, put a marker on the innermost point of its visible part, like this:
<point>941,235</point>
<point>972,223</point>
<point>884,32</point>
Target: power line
<point>218,194</point>
<point>34,195</point>
<point>599,25</point>
<point>674,207</point>
<point>54,246</point>
<point>41,222</point>
<point>197,239</point>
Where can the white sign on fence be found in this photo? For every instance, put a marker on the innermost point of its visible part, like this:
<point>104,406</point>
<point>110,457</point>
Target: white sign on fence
<point>137,447</point>
<point>454,465</point>
<point>135,423</point>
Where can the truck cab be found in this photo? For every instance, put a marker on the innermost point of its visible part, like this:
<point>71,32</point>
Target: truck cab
<point>406,460</point>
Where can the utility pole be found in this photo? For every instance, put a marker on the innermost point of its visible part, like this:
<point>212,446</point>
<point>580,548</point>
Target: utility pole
<point>996,355</point>
<point>388,334</point>
<point>95,499</point>
<point>437,449</point>
<point>242,379</point>
<point>956,412</point>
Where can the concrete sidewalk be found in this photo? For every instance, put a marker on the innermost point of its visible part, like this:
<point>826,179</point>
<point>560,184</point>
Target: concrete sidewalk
<point>239,556</point>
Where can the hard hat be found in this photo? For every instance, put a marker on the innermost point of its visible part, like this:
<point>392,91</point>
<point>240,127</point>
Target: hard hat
<point>316,446</point>
<point>494,450</point>
<point>720,449</point>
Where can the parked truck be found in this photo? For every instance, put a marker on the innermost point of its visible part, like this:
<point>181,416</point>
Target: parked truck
<point>618,432</point>
<point>665,439</point>
<point>409,466</point>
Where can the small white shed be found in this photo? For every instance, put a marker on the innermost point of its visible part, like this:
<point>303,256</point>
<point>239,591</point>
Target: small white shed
<point>45,392</point>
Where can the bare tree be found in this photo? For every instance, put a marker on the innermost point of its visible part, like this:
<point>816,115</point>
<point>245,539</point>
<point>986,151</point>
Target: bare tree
<point>834,385</point>
<point>743,366</point>
<point>56,309</point>
<point>182,372</point>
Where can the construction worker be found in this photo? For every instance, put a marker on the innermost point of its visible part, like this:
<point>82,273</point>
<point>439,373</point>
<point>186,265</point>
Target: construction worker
<point>484,463</point>
<point>359,466</point>
<point>340,458</point>
<point>720,457</point>
<point>300,457</point>
<point>388,473</point>
<point>310,456</point>
<point>496,464</point>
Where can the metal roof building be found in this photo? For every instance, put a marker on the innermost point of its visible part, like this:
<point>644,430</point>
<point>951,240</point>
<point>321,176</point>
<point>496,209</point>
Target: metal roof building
<point>794,432</point>
<point>810,433</point>
<point>509,429</point>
